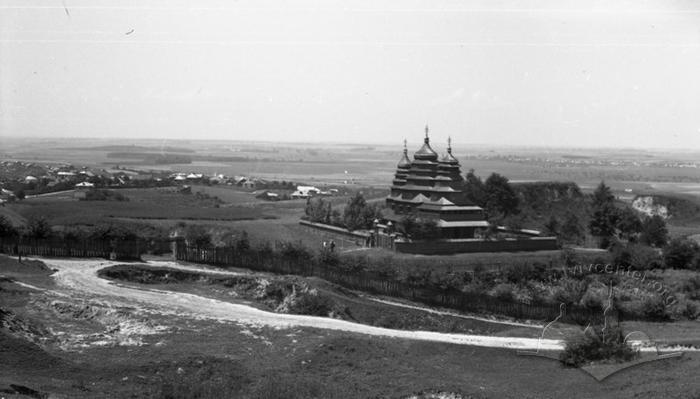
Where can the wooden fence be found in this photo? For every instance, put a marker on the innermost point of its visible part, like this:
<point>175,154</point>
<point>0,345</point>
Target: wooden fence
<point>86,248</point>
<point>375,283</point>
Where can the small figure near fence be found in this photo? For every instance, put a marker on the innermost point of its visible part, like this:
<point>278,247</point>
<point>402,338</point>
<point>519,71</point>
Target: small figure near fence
<point>332,245</point>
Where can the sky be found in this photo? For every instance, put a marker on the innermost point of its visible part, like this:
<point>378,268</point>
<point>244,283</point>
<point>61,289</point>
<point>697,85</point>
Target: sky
<point>536,73</point>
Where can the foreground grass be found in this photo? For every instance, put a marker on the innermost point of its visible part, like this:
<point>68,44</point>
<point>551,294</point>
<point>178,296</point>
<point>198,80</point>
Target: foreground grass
<point>233,361</point>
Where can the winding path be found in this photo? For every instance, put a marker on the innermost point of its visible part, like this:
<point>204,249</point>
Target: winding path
<point>78,278</point>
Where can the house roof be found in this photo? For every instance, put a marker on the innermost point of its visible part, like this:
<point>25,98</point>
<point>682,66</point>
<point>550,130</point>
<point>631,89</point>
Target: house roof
<point>460,223</point>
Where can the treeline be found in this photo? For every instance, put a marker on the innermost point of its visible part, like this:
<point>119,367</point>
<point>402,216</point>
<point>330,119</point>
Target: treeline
<point>104,195</point>
<point>357,213</point>
<point>38,228</point>
<point>153,157</point>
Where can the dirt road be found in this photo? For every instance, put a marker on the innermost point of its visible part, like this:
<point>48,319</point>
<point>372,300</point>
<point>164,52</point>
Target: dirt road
<point>78,279</point>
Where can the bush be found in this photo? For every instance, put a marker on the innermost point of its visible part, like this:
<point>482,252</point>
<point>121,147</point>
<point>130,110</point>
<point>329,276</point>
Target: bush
<point>198,236</point>
<point>690,310</point>
<point>654,309</point>
<point>103,195</point>
<point>596,346</point>
<point>595,298</point>
<point>654,231</point>
<point>295,251</point>
<point>312,303</point>
<point>640,257</point>
<point>355,264</point>
<point>504,292</point>
<point>329,258</point>
<point>680,253</point>
<point>38,228</point>
<point>6,228</point>
<point>419,229</point>
<point>569,291</point>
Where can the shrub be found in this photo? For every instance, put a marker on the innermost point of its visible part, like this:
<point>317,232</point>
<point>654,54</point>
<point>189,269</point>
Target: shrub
<point>640,257</point>
<point>680,253</point>
<point>112,232</point>
<point>312,303</point>
<point>198,236</point>
<point>654,231</point>
<point>596,346</point>
<point>295,251</point>
<point>654,309</point>
<point>569,291</point>
<point>329,258</point>
<point>355,264</point>
<point>690,310</point>
<point>504,292</point>
<point>595,297</point>
<point>103,195</point>
<point>38,227</point>
<point>6,228</point>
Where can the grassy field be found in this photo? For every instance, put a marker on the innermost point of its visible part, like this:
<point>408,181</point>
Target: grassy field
<point>143,204</point>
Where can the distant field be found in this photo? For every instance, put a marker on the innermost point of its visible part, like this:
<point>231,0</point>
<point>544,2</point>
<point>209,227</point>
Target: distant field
<point>144,204</point>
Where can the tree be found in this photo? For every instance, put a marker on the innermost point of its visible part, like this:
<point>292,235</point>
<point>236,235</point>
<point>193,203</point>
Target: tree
<point>629,226</point>
<point>602,196</point>
<point>500,196</point>
<point>427,229</point>
<point>358,214</point>
<point>605,218</point>
<point>474,189</point>
<point>680,253</point>
<point>6,227</point>
<point>654,231</point>
<point>20,194</point>
<point>317,210</point>
<point>243,242</point>
<point>552,226</point>
<point>419,229</point>
<point>197,235</point>
<point>38,228</point>
<point>603,221</point>
<point>571,230</point>
<point>113,232</point>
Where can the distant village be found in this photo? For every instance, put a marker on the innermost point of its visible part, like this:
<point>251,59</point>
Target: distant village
<point>19,180</point>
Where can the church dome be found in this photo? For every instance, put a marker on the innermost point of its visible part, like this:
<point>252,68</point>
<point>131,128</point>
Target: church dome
<point>449,158</point>
<point>425,152</point>
<point>404,163</point>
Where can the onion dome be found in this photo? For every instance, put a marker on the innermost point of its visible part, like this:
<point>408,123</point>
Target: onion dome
<point>449,158</point>
<point>425,152</point>
<point>404,163</point>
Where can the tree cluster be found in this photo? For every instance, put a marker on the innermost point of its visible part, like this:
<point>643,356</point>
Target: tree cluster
<point>358,214</point>
<point>419,229</point>
<point>495,195</point>
<point>610,222</point>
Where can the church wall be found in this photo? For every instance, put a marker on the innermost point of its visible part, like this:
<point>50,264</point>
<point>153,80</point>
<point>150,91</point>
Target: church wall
<point>443,247</point>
